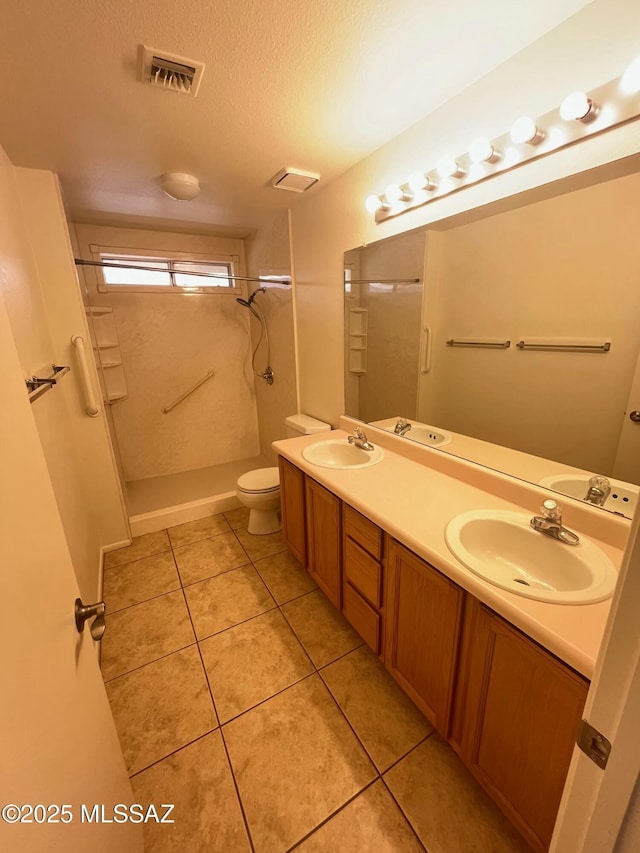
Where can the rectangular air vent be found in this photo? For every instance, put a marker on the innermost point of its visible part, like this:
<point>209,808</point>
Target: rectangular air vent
<point>294,180</point>
<point>169,71</point>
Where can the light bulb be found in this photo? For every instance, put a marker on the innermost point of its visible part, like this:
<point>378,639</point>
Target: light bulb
<point>448,167</point>
<point>373,203</point>
<point>419,181</point>
<point>630,82</point>
<point>525,130</point>
<point>578,107</point>
<point>482,151</point>
<point>394,192</point>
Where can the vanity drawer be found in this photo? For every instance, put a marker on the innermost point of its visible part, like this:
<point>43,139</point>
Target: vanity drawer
<point>363,572</point>
<point>363,617</point>
<point>367,534</point>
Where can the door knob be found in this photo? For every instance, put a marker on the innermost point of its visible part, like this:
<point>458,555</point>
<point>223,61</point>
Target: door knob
<point>635,417</point>
<point>91,611</point>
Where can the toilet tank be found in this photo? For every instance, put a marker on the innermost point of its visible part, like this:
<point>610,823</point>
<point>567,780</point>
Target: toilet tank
<point>304,425</point>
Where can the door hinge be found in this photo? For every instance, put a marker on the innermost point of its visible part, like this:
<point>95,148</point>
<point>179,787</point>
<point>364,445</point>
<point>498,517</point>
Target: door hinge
<point>593,744</point>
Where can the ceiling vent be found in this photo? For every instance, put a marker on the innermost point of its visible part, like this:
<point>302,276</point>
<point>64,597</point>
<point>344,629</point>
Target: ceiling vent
<point>294,180</point>
<point>169,71</point>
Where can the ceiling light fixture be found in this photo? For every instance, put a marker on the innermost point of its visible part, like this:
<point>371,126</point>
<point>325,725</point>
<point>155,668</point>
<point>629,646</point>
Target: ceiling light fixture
<point>180,185</point>
<point>578,107</point>
<point>524,131</point>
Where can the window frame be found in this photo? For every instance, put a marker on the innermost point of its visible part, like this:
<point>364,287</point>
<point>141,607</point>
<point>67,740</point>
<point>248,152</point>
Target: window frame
<point>170,257</point>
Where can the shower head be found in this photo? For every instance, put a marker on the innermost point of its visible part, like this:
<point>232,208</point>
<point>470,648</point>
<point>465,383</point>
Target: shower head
<point>247,302</point>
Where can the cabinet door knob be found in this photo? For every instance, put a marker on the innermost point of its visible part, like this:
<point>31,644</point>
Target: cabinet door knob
<point>635,417</point>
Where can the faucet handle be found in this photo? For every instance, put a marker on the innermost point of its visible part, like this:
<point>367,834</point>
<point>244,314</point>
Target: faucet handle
<point>599,482</point>
<point>360,433</point>
<point>552,510</point>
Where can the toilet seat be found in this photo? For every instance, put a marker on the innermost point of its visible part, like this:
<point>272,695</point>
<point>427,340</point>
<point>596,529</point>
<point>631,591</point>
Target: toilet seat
<point>261,481</point>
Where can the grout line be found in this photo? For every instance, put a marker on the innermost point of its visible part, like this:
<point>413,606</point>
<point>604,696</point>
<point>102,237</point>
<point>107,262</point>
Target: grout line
<point>332,815</point>
<point>210,577</point>
<point>224,743</point>
<point>402,812</point>
<point>149,662</point>
<point>268,698</point>
<point>174,752</point>
<point>408,752</point>
<point>135,560</point>
<point>109,612</point>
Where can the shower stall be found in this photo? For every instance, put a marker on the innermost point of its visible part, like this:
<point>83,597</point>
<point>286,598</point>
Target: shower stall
<point>177,370</point>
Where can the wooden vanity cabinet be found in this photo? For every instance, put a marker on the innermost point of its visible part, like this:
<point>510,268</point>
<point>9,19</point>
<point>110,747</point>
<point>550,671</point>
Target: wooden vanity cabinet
<point>324,540</point>
<point>519,709</point>
<point>292,504</point>
<point>362,576</point>
<point>424,618</point>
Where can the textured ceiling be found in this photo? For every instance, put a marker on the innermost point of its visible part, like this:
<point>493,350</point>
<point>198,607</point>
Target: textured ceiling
<point>310,84</point>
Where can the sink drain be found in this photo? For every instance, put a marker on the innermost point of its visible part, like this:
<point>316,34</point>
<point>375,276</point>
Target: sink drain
<point>519,580</point>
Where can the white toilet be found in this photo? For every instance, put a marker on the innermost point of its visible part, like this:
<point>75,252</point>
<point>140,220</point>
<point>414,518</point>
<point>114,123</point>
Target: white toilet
<point>259,490</point>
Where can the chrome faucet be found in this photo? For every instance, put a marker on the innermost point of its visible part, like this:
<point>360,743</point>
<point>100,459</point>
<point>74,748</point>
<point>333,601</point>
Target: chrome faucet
<point>598,491</point>
<point>550,523</point>
<point>359,439</point>
<point>402,427</point>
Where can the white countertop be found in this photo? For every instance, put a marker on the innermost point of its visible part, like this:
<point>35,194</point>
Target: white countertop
<point>413,499</point>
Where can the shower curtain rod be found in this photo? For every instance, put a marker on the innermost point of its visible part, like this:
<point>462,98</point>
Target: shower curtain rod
<point>383,281</point>
<point>82,263</point>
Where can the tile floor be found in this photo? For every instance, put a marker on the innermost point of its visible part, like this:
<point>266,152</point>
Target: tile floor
<point>243,697</point>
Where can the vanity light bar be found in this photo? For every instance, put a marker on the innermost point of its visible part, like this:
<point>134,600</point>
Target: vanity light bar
<point>580,115</point>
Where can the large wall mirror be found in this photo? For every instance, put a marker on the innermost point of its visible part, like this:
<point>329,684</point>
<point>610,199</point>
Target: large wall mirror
<point>511,335</point>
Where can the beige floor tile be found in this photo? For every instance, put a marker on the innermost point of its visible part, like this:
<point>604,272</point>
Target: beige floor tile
<point>251,662</point>
<point>372,823</point>
<point>161,707</point>
<point>227,599</point>
<point>134,582</point>
<point>207,816</point>
<point>445,805</point>
<point>296,761</point>
<point>238,517</point>
<point>384,718</point>
<point>193,531</point>
<point>141,546</point>
<point>284,576</point>
<point>209,557</point>
<point>322,630</point>
<point>258,547</point>
<point>145,632</point>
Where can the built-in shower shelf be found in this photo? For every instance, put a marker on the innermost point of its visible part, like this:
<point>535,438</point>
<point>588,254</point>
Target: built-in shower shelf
<point>106,347</point>
<point>358,330</point>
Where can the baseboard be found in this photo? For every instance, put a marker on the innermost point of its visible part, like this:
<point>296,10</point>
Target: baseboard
<point>150,522</point>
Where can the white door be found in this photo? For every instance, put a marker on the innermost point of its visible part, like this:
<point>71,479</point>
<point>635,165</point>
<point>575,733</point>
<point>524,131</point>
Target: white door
<point>627,463</point>
<point>58,743</point>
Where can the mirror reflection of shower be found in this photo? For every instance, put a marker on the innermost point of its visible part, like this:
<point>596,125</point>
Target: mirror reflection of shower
<point>267,374</point>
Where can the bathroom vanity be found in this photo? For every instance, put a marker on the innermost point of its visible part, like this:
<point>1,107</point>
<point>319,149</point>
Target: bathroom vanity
<point>501,677</point>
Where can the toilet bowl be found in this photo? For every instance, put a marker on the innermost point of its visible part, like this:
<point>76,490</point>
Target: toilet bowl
<point>259,490</point>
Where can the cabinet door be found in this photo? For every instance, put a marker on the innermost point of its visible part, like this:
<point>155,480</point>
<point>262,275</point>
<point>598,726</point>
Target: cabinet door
<point>324,540</point>
<point>521,715</point>
<point>293,509</point>
<point>424,615</point>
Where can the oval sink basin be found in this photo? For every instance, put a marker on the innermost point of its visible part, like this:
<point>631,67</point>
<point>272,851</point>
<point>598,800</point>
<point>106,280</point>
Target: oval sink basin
<point>502,548</point>
<point>623,497</point>
<point>338,453</point>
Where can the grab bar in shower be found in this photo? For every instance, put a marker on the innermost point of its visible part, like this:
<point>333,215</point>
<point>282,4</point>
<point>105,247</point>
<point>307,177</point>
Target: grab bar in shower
<point>37,385</point>
<point>91,406</point>
<point>189,391</point>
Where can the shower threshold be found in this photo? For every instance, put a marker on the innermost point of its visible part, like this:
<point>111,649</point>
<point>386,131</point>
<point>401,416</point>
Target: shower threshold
<point>159,502</point>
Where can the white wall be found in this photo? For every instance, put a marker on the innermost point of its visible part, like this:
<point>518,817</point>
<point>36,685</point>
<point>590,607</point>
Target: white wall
<point>40,290</point>
<point>269,253</point>
<point>589,49</point>
<point>168,341</point>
